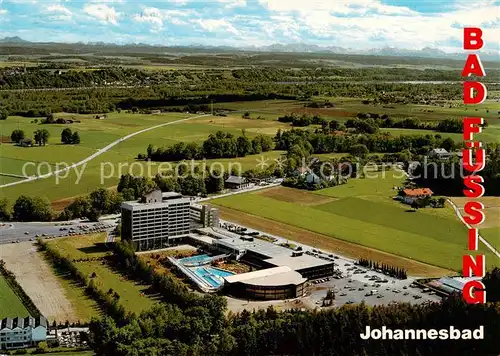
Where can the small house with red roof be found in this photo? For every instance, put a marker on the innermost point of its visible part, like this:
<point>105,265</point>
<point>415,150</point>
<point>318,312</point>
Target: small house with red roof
<point>408,196</point>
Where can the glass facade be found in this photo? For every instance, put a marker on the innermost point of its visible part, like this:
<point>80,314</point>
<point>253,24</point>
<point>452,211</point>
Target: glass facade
<point>256,292</point>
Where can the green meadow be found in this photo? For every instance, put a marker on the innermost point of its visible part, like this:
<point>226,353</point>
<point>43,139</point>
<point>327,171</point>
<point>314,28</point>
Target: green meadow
<point>10,304</point>
<point>363,212</point>
<point>120,159</point>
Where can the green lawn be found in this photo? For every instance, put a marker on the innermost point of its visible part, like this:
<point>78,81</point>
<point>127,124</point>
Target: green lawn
<point>84,246</point>
<point>492,235</point>
<point>365,214</point>
<point>10,304</point>
<point>133,297</point>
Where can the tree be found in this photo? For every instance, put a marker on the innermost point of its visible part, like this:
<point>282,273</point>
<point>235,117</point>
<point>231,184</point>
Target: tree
<point>50,119</point>
<point>193,186</point>
<point>5,210</point>
<point>128,194</point>
<point>441,202</point>
<point>79,208</point>
<point>32,209</point>
<point>76,138</point>
<point>448,144</point>
<point>214,182</point>
<point>66,136</point>
<point>359,150</point>
<point>415,205</point>
<point>100,200</point>
<point>492,283</point>
<point>17,135</point>
<point>4,114</point>
<point>334,125</point>
<point>244,145</point>
<point>41,137</point>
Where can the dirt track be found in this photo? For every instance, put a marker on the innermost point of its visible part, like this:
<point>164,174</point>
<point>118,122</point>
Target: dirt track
<point>38,281</point>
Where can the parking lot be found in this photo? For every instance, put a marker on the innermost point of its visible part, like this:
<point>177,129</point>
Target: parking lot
<point>359,284</point>
<point>18,232</point>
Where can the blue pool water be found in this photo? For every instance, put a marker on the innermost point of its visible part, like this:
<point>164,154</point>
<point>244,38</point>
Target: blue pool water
<point>210,274</point>
<point>198,260</point>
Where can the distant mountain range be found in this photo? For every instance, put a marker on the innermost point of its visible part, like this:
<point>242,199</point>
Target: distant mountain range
<point>426,52</point>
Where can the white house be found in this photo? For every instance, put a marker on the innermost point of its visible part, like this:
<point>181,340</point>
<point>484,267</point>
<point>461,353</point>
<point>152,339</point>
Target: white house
<point>22,332</point>
<point>439,153</point>
<point>312,178</point>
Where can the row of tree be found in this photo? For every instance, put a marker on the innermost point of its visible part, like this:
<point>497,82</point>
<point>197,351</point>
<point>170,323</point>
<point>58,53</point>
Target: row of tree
<point>218,145</point>
<point>386,269</point>
<point>168,329</point>
<point>303,120</point>
<point>446,177</point>
<point>99,202</point>
<point>318,142</point>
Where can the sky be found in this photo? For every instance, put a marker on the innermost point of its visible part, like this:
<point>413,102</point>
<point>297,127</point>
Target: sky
<point>356,24</point>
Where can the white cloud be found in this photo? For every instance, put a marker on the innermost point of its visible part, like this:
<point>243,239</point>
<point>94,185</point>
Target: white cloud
<point>102,12</point>
<point>157,17</point>
<point>106,1</point>
<point>369,23</point>
<point>3,11</point>
<point>216,25</point>
<point>338,7</point>
<point>151,15</point>
<point>178,2</point>
<point>59,12</point>
<point>229,4</point>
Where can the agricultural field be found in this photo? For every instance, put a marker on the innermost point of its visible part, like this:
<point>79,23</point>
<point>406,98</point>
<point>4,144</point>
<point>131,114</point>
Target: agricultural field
<point>363,212</point>
<point>35,276</point>
<point>96,134</point>
<point>492,235</point>
<point>490,228</point>
<point>10,305</point>
<point>120,159</point>
<point>133,297</point>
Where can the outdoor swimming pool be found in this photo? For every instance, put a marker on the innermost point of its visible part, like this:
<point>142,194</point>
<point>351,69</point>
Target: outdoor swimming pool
<point>196,260</point>
<point>212,275</point>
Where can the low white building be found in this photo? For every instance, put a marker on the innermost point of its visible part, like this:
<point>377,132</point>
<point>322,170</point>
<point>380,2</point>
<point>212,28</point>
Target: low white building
<point>22,332</point>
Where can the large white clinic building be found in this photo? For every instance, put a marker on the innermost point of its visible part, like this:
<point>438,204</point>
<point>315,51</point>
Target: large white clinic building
<point>159,220</point>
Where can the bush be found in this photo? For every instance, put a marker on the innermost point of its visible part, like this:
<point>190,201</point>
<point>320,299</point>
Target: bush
<point>42,348</point>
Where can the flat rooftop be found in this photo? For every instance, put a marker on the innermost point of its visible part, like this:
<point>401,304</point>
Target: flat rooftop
<point>276,276</point>
<point>298,262</point>
<point>171,195</point>
<point>136,205</point>
<point>201,238</point>
<point>264,248</point>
